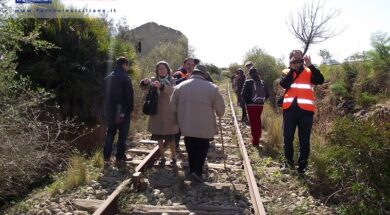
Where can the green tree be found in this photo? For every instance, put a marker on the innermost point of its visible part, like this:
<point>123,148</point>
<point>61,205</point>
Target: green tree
<point>325,54</point>
<point>29,134</point>
<point>173,53</point>
<point>233,68</point>
<point>381,61</point>
<point>269,67</point>
<point>75,69</point>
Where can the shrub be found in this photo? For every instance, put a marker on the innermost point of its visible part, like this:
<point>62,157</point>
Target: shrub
<point>357,164</point>
<point>365,99</point>
<point>339,89</point>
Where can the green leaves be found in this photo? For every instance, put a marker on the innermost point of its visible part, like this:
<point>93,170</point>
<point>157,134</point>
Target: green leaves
<point>358,163</point>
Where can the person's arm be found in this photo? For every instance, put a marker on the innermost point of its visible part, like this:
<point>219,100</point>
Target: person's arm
<point>287,80</point>
<point>266,90</point>
<point>219,103</point>
<point>245,91</point>
<point>145,83</point>
<point>316,76</point>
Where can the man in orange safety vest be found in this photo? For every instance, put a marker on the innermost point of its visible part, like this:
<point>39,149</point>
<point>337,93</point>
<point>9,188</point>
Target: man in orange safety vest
<point>298,107</point>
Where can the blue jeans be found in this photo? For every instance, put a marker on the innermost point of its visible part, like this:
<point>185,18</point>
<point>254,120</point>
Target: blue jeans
<point>112,127</point>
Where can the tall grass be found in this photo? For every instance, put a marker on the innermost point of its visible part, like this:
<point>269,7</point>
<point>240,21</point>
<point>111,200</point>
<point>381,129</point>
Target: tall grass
<point>97,159</point>
<point>272,122</point>
<point>76,174</point>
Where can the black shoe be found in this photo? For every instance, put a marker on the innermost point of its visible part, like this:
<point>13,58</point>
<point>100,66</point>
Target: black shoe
<point>301,170</point>
<point>195,177</point>
<point>162,162</point>
<point>124,159</point>
<point>286,166</point>
<point>302,173</point>
<point>302,165</point>
<point>173,161</point>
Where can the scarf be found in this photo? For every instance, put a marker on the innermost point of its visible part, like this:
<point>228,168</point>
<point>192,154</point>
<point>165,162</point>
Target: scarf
<point>166,81</point>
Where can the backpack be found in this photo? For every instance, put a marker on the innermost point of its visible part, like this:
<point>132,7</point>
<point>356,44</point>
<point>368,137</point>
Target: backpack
<point>258,92</point>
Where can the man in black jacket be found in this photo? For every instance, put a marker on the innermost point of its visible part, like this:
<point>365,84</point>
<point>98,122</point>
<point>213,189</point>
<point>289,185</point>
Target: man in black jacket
<point>118,105</point>
<point>239,80</point>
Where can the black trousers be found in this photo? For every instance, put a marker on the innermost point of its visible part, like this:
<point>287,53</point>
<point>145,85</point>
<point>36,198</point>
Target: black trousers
<point>241,103</point>
<point>296,117</point>
<point>197,152</point>
<point>112,128</point>
<point>177,139</point>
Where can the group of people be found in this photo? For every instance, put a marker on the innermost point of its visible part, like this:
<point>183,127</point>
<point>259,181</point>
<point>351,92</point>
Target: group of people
<point>251,96</point>
<point>189,102</point>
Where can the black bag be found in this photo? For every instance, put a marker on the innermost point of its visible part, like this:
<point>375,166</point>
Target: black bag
<point>258,92</point>
<point>150,104</point>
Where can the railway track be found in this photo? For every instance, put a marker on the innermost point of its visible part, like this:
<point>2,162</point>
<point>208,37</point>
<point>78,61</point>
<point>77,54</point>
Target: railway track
<point>229,187</point>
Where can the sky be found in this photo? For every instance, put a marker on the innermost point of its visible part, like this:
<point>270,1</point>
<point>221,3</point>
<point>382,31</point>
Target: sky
<point>221,32</point>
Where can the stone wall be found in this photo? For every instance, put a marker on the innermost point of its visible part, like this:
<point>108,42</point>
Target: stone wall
<point>147,36</point>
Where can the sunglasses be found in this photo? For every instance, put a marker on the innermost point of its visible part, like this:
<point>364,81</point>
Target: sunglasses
<point>296,61</point>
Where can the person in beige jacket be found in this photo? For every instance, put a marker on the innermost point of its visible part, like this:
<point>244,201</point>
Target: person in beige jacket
<point>195,103</point>
<point>162,125</point>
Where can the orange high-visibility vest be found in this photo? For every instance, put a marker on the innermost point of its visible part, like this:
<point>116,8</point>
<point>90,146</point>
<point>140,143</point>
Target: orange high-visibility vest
<point>302,89</point>
<point>180,73</point>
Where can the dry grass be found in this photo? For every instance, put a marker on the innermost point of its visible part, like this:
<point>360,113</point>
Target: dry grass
<point>273,125</point>
<point>32,146</point>
<point>75,176</point>
<point>79,172</point>
<point>97,159</point>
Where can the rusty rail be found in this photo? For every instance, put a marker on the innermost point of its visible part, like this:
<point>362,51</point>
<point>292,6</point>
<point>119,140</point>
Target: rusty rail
<point>253,189</point>
<point>109,206</point>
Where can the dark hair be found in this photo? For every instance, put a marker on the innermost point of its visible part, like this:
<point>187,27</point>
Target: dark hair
<point>187,59</point>
<point>254,74</point>
<point>293,51</point>
<point>166,66</point>
<point>121,60</point>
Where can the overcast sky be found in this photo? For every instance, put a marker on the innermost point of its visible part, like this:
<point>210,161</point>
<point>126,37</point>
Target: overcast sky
<point>223,31</point>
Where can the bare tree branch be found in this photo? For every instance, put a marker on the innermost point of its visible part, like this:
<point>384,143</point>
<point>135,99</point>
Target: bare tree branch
<point>311,24</point>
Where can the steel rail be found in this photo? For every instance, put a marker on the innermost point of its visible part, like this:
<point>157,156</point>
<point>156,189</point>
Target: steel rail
<point>253,189</point>
<point>109,205</point>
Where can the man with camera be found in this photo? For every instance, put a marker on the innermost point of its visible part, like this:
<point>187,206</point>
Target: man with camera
<point>298,107</point>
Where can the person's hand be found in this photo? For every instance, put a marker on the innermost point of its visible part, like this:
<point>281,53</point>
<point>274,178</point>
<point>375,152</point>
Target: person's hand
<point>307,60</point>
<point>146,81</point>
<point>156,84</point>
<point>292,66</point>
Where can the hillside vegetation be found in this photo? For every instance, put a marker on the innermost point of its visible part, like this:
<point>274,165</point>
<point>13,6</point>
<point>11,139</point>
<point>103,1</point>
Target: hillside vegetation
<point>51,106</point>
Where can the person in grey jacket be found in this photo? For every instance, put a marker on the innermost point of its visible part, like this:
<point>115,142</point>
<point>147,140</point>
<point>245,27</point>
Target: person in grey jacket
<point>195,103</point>
<point>118,105</point>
